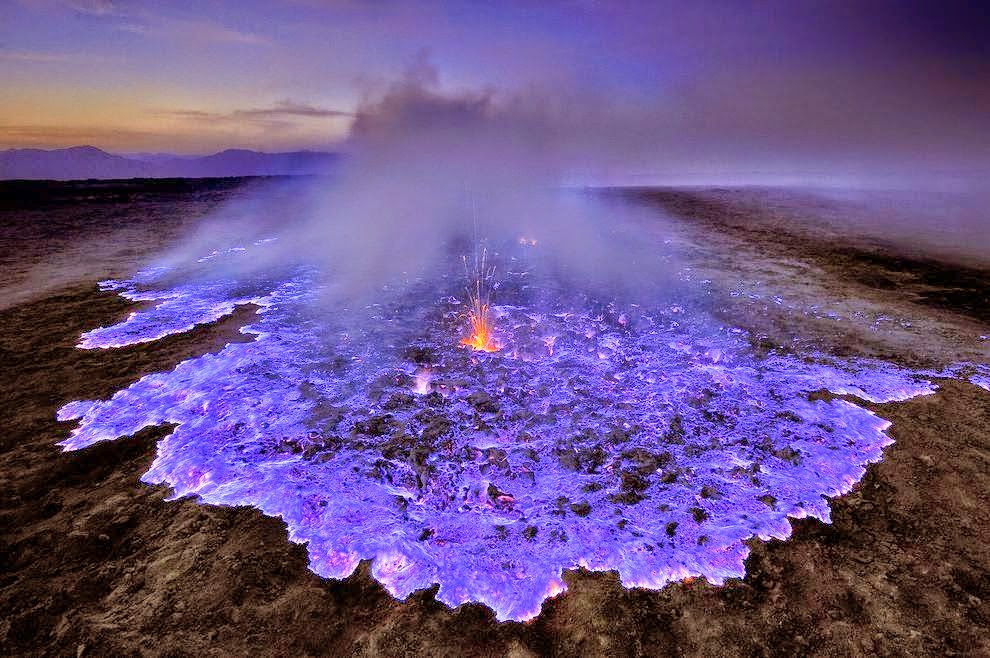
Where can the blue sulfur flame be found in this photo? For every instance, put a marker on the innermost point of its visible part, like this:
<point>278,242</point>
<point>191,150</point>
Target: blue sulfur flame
<point>611,439</point>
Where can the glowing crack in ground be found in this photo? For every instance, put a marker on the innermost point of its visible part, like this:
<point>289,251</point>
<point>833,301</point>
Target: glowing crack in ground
<point>600,437</point>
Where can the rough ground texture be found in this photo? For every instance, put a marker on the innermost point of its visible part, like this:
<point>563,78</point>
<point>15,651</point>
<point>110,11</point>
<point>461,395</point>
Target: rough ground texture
<point>96,563</point>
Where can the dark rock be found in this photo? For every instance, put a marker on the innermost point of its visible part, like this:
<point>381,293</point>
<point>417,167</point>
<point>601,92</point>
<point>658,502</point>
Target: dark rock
<point>437,427</point>
<point>617,435</point>
<point>435,399</point>
<point>646,461</point>
<point>420,355</point>
<point>788,454</point>
<point>398,400</point>
<point>581,508</point>
<point>568,458</point>
<point>675,433</point>
<point>483,402</point>
<point>375,426</point>
<point>710,492</point>
<point>695,450</point>
<point>494,492</point>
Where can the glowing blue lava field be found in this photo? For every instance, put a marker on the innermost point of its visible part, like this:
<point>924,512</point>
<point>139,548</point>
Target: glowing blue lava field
<point>653,441</point>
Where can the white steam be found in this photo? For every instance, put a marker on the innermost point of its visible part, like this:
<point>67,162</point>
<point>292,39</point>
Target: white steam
<point>428,175</point>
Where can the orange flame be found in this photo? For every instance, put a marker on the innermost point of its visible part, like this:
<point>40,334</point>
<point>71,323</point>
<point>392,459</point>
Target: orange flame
<point>481,338</point>
<point>479,294</point>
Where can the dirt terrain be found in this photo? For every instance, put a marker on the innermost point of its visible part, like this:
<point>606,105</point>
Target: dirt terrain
<point>95,563</point>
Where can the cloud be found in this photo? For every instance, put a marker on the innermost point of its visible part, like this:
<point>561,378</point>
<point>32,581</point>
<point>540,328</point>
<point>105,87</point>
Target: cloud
<point>284,125</point>
<point>189,114</point>
<point>91,8</point>
<point>279,113</point>
<point>161,27</point>
<point>20,135</point>
<point>203,30</point>
<point>95,7</point>
<point>290,108</point>
<point>39,57</point>
<point>143,19</point>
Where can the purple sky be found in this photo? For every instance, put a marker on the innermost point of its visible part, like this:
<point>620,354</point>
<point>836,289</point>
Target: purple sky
<point>705,86</point>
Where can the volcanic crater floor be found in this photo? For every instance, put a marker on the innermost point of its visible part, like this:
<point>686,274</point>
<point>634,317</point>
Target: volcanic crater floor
<point>98,563</point>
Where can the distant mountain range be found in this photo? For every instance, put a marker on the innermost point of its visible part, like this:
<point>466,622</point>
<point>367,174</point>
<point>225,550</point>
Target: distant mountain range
<point>81,162</point>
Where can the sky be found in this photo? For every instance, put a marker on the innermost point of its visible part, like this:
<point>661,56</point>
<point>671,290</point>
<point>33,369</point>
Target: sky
<point>707,86</point>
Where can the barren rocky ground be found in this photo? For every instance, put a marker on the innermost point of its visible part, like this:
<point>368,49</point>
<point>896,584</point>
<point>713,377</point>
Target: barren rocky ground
<point>96,563</point>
